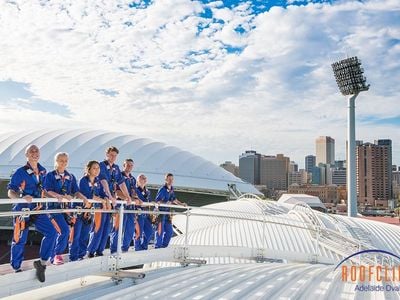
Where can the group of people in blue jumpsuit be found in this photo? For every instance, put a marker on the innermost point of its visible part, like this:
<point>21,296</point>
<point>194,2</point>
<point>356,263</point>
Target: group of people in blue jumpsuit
<point>86,234</point>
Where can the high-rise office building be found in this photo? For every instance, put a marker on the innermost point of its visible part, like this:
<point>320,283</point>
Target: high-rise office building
<point>293,167</point>
<point>388,143</point>
<point>340,164</point>
<point>309,163</point>
<point>325,150</point>
<point>396,183</point>
<point>374,173</point>
<point>274,171</point>
<point>339,177</point>
<point>249,167</point>
<point>297,177</point>
<point>316,176</point>
<point>321,175</point>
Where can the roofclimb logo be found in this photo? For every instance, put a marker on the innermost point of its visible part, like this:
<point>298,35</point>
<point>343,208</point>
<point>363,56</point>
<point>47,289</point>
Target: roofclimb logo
<point>378,277</point>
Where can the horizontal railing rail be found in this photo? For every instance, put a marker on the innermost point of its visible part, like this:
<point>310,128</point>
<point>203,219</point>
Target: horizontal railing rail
<point>318,232</point>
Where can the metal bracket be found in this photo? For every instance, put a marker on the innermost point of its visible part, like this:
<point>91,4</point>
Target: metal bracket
<point>259,255</point>
<point>314,259</point>
<point>83,281</point>
<point>188,261</point>
<point>112,263</point>
<point>118,276</point>
<point>181,254</point>
<point>79,210</point>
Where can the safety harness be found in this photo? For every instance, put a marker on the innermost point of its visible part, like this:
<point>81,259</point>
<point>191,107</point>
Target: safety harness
<point>23,221</point>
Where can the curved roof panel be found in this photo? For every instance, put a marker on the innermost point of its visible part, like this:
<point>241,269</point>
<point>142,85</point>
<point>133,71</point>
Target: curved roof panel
<point>151,157</point>
<point>270,225</point>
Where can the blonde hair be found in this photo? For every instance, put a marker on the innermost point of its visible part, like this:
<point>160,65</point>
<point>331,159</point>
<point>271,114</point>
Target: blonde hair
<point>27,149</point>
<point>141,175</point>
<point>57,156</point>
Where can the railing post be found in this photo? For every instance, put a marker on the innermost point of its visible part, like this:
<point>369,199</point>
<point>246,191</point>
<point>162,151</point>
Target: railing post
<point>317,243</point>
<point>120,225</point>
<point>264,243</point>
<point>186,252</point>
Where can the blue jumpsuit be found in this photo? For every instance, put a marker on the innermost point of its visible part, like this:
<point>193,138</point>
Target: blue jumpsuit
<point>25,182</point>
<point>164,224</point>
<point>128,222</point>
<point>63,184</point>
<point>98,225</point>
<point>144,227</point>
<point>112,174</point>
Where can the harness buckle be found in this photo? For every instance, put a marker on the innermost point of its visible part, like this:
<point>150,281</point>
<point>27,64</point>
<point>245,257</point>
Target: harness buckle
<point>25,213</point>
<point>79,211</point>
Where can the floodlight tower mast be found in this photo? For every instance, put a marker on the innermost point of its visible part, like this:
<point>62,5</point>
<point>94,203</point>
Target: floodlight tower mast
<point>351,81</point>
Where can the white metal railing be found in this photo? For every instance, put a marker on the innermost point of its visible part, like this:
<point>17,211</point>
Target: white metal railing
<point>112,265</point>
<point>323,237</point>
<point>342,244</point>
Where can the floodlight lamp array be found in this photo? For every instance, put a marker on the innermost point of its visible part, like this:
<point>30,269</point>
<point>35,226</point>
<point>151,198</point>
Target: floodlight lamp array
<point>349,76</point>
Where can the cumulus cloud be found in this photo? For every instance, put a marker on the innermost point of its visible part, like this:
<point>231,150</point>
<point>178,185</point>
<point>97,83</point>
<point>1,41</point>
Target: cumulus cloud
<point>216,83</point>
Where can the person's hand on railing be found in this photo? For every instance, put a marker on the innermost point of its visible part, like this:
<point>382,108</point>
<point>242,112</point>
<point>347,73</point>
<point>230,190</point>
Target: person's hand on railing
<point>108,203</point>
<point>128,200</point>
<point>138,201</point>
<point>60,198</point>
<point>113,201</point>
<point>177,202</point>
<point>68,197</point>
<point>97,198</point>
<point>86,203</point>
<point>28,198</point>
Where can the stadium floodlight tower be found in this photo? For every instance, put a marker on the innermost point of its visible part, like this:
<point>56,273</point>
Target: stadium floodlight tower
<point>351,81</point>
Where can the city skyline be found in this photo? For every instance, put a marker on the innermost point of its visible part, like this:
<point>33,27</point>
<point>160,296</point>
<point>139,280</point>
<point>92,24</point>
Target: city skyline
<point>376,178</point>
<point>230,72</point>
<point>301,161</point>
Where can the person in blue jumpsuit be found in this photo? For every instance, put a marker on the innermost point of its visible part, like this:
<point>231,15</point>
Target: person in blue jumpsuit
<point>165,195</point>
<point>27,183</point>
<point>144,228</point>
<point>62,185</point>
<point>91,188</point>
<point>129,219</point>
<point>111,178</point>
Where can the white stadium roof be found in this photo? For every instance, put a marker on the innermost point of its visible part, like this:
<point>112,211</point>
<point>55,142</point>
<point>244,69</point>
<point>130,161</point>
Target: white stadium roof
<point>285,231</point>
<point>254,249</point>
<point>153,158</point>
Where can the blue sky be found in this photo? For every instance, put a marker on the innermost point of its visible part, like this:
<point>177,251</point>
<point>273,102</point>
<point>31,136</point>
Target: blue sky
<point>234,74</point>
<point>18,94</point>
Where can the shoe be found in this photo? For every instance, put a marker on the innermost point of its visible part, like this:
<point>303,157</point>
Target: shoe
<point>40,270</point>
<point>99,253</point>
<point>90,255</point>
<point>58,260</point>
<point>18,271</point>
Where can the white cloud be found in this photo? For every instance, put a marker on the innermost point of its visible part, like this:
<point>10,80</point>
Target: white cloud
<point>180,84</point>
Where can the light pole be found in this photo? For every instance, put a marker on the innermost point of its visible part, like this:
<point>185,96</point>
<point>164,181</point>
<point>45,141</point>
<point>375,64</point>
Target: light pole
<point>351,81</point>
